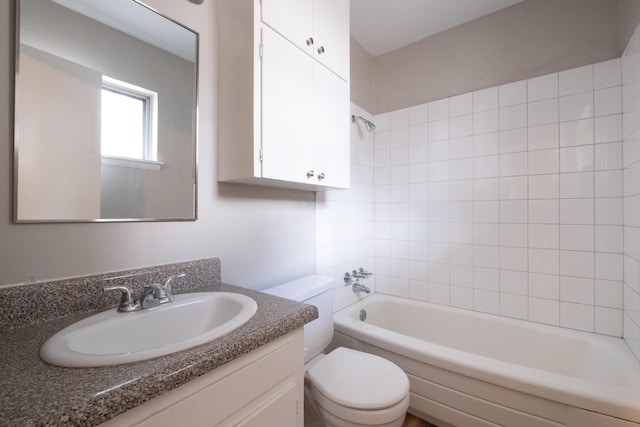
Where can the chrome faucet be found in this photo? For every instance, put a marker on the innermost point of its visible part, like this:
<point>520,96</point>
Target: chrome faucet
<point>354,277</point>
<point>359,287</point>
<point>152,295</point>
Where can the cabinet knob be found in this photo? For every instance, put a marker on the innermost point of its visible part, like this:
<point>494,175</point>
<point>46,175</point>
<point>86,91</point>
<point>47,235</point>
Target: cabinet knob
<point>321,50</point>
<point>321,176</point>
<point>309,41</point>
<point>310,174</point>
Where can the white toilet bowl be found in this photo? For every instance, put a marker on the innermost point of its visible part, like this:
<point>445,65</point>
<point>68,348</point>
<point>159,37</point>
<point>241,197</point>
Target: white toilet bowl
<point>345,388</point>
<point>349,388</point>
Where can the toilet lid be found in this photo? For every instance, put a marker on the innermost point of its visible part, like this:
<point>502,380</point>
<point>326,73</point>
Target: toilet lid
<point>359,380</point>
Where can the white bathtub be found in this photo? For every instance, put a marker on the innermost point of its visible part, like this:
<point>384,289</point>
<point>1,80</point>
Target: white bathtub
<point>474,369</point>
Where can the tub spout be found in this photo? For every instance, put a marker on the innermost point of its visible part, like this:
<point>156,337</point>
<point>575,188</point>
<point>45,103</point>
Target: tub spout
<point>358,287</point>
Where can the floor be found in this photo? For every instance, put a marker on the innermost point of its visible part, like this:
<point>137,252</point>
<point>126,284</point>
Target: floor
<point>413,421</point>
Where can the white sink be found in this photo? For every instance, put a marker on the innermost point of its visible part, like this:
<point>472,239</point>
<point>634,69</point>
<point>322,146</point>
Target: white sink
<point>112,338</point>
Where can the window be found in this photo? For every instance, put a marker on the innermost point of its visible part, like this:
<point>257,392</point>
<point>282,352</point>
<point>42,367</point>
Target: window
<point>128,121</point>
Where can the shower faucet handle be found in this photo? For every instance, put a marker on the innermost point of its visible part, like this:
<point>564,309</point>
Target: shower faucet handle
<point>364,272</point>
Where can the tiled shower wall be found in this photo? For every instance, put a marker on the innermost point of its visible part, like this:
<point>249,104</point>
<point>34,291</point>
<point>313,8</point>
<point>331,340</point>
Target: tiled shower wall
<point>508,200</point>
<point>631,131</point>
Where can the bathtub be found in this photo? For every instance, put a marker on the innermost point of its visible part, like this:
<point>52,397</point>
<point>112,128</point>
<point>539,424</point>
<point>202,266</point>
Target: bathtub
<point>475,369</point>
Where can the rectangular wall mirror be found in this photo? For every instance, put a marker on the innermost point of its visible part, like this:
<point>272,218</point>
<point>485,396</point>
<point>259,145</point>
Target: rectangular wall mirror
<point>105,113</point>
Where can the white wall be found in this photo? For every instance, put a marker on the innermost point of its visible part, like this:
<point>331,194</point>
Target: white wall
<point>631,119</point>
<point>263,236</point>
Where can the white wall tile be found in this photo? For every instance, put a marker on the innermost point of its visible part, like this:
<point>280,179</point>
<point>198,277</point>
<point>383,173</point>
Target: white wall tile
<point>461,147</point>
<point>608,101</point>
<point>544,236</point>
<point>545,211</point>
<point>515,306</point>
<point>542,162</point>
<point>543,137</point>
<point>461,105</point>
<point>577,132</point>
<point>486,121</point>
<point>418,114</point>
<point>513,164</point>
<point>609,211</point>
<point>609,321</point>
<point>439,110</point>
<point>577,264</point>
<point>486,189</point>
<point>543,87</point>
<point>513,93</point>
<point>544,186</point>
<point>486,167</point>
<point>515,117</point>
<point>609,183</point>
<point>486,99</point>
<point>577,237</point>
<point>543,112</point>
<point>545,261</point>
<point>607,74</point>
<point>399,119</point>
<point>577,316</point>
<point>577,159</point>
<point>576,289</point>
<point>544,286</point>
<point>576,80</point>
<point>419,134</point>
<point>576,107</point>
<point>514,188</point>
<point>608,156</point>
<point>486,144</point>
<point>609,238</point>
<point>609,293</point>
<point>576,185</point>
<point>577,211</point>
<point>608,128</point>
<point>544,311</point>
<point>461,126</point>
<point>513,235</point>
<point>439,130</point>
<point>513,141</point>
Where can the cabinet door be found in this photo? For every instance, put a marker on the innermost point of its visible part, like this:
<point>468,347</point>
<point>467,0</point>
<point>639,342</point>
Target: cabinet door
<point>332,120</point>
<point>331,35</point>
<point>287,116</point>
<point>293,19</point>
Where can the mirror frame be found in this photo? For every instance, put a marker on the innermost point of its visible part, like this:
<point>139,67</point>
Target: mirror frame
<point>195,134</point>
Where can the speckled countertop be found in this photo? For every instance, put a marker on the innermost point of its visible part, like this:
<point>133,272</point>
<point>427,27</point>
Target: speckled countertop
<point>34,393</point>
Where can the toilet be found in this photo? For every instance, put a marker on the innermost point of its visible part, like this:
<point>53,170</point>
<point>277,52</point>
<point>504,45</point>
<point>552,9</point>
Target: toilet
<point>344,388</point>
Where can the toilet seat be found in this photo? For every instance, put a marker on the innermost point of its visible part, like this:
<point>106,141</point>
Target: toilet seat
<point>359,387</point>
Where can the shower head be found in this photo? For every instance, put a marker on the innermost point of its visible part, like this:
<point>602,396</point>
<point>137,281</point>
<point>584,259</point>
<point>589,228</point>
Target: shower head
<point>367,124</point>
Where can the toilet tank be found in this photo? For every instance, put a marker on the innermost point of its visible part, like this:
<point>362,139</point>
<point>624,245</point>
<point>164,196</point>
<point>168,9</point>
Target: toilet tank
<point>318,291</point>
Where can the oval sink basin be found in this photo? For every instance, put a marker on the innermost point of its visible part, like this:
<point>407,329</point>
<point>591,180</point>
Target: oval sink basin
<point>112,338</point>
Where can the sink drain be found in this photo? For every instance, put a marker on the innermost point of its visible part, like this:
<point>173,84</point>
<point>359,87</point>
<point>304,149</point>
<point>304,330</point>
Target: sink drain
<point>363,314</point>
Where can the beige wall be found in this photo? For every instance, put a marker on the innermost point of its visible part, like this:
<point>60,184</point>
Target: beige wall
<point>629,20</point>
<point>361,77</point>
<point>263,236</point>
<point>529,39</point>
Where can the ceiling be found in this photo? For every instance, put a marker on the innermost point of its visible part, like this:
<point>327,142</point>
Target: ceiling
<point>380,26</point>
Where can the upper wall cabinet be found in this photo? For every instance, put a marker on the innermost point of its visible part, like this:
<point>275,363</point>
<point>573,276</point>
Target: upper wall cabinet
<point>283,99</point>
<point>320,27</point>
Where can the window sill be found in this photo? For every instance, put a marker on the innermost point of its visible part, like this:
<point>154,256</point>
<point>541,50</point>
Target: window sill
<point>124,162</point>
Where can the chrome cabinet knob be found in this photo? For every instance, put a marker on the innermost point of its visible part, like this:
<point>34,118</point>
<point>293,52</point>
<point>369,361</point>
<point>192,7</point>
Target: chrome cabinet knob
<point>321,50</point>
<point>309,41</point>
<point>310,174</point>
<point>321,176</point>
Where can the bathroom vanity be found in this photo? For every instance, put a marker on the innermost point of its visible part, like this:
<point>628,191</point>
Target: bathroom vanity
<point>250,376</point>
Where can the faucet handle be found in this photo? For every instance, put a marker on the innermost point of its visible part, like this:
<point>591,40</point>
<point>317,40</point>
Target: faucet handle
<point>364,272</point>
<point>127,301</point>
<point>166,287</point>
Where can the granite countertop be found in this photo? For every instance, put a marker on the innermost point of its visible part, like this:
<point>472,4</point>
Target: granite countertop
<point>34,393</point>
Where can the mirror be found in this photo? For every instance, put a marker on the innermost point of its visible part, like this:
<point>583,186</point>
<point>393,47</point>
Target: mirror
<point>105,113</point>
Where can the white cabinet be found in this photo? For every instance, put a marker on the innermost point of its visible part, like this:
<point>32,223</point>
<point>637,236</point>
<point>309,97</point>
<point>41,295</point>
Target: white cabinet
<point>283,114</point>
<point>261,388</point>
<point>319,27</point>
